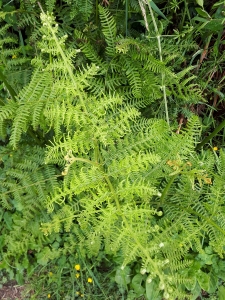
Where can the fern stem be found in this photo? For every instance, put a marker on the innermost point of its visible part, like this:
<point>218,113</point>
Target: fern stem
<point>86,161</point>
<point>158,36</point>
<point>217,129</point>
<point>126,17</point>
<point>8,86</point>
<point>166,189</point>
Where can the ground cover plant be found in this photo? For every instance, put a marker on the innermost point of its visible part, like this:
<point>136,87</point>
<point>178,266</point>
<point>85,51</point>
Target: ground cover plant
<point>111,156</point>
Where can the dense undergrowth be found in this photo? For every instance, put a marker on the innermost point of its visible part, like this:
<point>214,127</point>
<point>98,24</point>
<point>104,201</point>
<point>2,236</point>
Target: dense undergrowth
<point>112,165</point>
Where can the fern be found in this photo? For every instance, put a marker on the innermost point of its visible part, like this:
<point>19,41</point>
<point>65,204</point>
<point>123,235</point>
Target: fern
<point>109,178</point>
<point>24,187</point>
<point>108,29</point>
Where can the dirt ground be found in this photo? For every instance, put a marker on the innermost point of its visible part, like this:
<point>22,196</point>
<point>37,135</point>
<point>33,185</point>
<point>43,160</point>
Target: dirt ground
<point>11,291</point>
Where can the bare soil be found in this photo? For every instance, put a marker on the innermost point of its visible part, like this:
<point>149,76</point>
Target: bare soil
<point>11,291</point>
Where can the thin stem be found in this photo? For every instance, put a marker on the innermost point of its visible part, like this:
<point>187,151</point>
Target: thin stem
<point>158,36</point>
<point>166,189</point>
<point>8,86</point>
<point>126,17</point>
<point>86,161</point>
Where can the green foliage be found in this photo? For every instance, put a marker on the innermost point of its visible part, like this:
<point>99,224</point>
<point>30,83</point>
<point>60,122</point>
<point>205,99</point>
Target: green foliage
<point>24,187</point>
<point>87,179</point>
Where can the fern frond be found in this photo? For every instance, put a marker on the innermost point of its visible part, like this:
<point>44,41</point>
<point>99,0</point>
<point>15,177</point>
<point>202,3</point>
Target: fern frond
<point>38,88</point>
<point>88,49</point>
<point>108,29</point>
<point>134,78</point>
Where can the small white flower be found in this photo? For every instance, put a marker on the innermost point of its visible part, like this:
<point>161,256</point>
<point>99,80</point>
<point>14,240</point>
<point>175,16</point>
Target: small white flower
<point>161,245</point>
<point>166,295</point>
<point>122,267</point>
<point>149,279</point>
<point>161,286</point>
<point>143,271</point>
<point>159,194</point>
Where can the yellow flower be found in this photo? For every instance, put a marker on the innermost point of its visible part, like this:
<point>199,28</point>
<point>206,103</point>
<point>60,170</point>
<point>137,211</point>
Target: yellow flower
<point>14,56</point>
<point>49,296</point>
<point>78,293</point>
<point>215,148</point>
<point>77,275</point>
<point>90,280</point>
<point>82,295</point>
<point>50,273</point>
<point>77,267</point>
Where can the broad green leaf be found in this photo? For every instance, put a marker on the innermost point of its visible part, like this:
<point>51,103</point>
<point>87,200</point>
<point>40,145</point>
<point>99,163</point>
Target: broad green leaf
<point>203,280</point>
<point>123,276</point>
<point>43,256</point>
<point>191,283</point>
<point>157,10</point>
<point>203,20</point>
<point>202,12</point>
<point>213,283</point>
<point>20,278</point>
<point>205,258</point>
<point>209,250</point>
<point>200,2</point>
<point>196,291</point>
<point>195,267</point>
<point>221,269</point>
<point>152,291</point>
<point>137,284</point>
<point>214,25</point>
<point>221,292</point>
<point>3,265</point>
